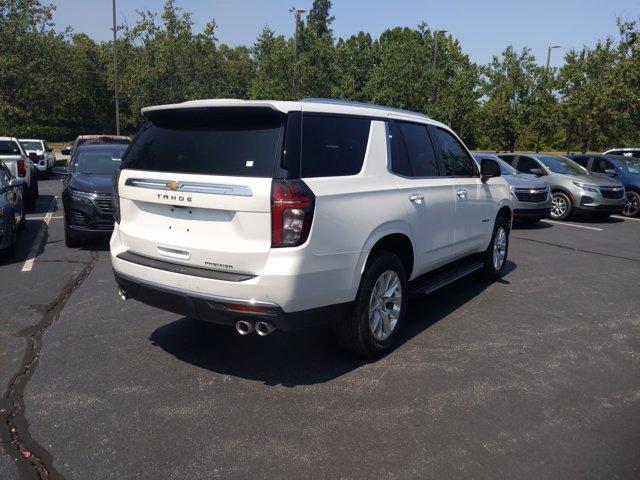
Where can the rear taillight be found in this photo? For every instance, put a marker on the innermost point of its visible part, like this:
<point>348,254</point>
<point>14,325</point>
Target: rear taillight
<point>291,212</point>
<point>115,197</point>
<point>22,168</point>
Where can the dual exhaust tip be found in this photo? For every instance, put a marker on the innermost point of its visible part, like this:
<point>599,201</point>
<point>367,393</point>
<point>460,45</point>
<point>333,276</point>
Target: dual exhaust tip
<point>245,327</point>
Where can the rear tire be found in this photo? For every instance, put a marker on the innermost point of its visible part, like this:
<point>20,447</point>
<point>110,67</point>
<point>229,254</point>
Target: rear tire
<point>495,257</point>
<point>379,308</point>
<point>561,206</point>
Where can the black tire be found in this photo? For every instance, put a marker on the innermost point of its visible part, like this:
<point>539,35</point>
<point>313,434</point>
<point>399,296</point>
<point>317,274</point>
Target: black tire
<point>490,271</point>
<point>29,197</point>
<point>11,248</point>
<point>632,209</point>
<point>354,334</point>
<point>561,199</point>
<point>71,238</point>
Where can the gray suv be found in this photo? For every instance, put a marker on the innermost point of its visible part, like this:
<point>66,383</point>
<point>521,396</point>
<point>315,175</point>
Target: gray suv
<point>573,188</point>
<point>529,195</point>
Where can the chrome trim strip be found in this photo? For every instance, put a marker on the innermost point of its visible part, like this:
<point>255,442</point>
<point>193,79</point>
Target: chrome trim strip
<point>191,187</point>
<point>204,296</point>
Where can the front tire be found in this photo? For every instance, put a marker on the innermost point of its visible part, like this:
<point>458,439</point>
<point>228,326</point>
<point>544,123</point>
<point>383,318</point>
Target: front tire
<point>561,206</point>
<point>379,308</point>
<point>632,208</point>
<point>495,257</point>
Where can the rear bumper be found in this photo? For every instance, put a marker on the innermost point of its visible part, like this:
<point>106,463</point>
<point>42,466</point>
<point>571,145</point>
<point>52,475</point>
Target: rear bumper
<point>221,310</point>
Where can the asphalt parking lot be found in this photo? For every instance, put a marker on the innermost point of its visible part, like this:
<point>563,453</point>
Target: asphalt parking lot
<point>536,376</point>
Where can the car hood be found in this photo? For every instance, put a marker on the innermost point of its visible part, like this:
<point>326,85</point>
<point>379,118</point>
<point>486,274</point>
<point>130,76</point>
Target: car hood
<point>96,183</point>
<point>600,180</point>
<point>524,181</point>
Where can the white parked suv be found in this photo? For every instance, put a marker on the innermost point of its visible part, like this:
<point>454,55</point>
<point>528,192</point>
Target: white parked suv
<point>272,215</point>
<point>20,165</point>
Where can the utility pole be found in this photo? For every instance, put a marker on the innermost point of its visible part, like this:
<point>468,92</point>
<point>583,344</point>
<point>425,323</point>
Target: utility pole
<point>115,70</point>
<point>296,15</point>
<point>549,48</point>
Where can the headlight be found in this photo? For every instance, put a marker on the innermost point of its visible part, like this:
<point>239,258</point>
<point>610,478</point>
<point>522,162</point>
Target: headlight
<point>81,196</point>
<point>589,187</point>
<point>512,189</point>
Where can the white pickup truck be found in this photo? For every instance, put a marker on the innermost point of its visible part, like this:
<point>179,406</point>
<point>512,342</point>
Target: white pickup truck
<point>16,159</point>
<point>45,159</point>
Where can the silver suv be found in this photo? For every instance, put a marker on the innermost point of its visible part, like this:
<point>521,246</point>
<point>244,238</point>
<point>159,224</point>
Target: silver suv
<point>573,188</point>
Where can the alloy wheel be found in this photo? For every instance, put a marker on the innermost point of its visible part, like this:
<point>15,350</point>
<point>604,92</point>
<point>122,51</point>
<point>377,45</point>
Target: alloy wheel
<point>499,248</point>
<point>558,207</point>
<point>384,305</point>
<point>632,205</point>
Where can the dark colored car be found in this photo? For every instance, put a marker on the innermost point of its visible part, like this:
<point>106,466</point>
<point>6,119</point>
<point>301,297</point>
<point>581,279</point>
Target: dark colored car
<point>86,194</point>
<point>623,168</point>
<point>95,139</point>
<point>11,209</point>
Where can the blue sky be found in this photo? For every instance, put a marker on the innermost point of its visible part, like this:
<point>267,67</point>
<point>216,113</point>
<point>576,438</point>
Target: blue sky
<point>484,27</point>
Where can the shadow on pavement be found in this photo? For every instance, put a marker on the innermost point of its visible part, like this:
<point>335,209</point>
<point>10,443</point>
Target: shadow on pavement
<point>531,226</point>
<point>304,357</point>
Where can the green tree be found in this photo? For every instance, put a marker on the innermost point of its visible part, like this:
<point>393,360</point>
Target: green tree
<point>273,57</point>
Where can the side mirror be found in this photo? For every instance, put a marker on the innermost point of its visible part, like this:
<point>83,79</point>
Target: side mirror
<point>489,169</point>
<point>537,171</point>
<point>612,171</point>
<point>60,171</point>
<point>66,151</point>
<point>49,149</point>
<point>33,156</point>
<point>16,182</point>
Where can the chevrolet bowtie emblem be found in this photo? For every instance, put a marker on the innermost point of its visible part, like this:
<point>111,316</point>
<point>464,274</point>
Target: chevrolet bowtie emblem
<point>173,185</point>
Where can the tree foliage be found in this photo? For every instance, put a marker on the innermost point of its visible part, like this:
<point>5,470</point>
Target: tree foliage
<point>57,84</point>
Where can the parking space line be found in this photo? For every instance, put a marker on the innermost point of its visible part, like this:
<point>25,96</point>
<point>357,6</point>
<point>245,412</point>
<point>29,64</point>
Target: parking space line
<point>626,218</point>
<point>35,248</point>
<point>566,224</point>
<point>42,217</point>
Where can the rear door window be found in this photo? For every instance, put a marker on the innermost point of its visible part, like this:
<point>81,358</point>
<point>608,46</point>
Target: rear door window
<point>333,146</point>
<point>241,142</point>
<point>457,162</point>
<point>526,164</point>
<point>419,147</point>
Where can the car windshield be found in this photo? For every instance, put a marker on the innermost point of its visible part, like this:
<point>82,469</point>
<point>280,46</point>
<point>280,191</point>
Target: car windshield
<point>99,162</point>
<point>31,145</point>
<point>9,147</point>
<point>563,165</point>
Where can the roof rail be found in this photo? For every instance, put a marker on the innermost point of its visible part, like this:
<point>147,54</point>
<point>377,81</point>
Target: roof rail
<point>332,101</point>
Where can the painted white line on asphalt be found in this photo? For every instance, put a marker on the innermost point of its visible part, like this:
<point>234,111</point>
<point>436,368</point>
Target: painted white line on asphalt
<point>28,264</point>
<point>41,217</point>
<point>566,224</point>
<point>626,218</point>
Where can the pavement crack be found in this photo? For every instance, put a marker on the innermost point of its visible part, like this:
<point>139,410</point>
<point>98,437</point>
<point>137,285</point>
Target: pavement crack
<point>581,250</point>
<point>32,459</point>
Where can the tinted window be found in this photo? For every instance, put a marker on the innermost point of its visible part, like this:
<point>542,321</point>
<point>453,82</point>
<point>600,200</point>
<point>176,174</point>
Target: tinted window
<point>422,157</point>
<point>526,164</point>
<point>333,146</point>
<point>510,159</point>
<point>9,147</point>
<point>582,161</point>
<point>600,165</point>
<point>399,158</point>
<point>98,161</point>
<point>457,161</point>
<point>235,142</point>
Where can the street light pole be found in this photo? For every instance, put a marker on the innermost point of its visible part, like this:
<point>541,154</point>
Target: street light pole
<point>115,71</point>
<point>551,47</point>
<point>296,15</point>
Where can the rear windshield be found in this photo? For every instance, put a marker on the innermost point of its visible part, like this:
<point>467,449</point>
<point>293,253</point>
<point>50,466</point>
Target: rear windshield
<point>9,147</point>
<point>235,142</point>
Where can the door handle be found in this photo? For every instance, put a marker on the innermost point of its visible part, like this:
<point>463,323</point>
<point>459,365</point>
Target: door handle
<point>416,197</point>
<point>462,193</point>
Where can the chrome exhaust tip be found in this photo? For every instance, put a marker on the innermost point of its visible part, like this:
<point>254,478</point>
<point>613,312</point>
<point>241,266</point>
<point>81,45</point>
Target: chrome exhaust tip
<point>243,327</point>
<point>122,294</point>
<point>263,328</point>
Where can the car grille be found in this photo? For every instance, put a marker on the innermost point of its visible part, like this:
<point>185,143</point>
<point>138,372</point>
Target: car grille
<point>532,195</point>
<point>103,201</point>
<point>614,193</point>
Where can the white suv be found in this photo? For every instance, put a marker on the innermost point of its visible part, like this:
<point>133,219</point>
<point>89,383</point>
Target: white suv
<point>272,215</point>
